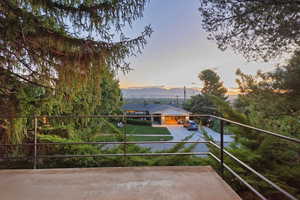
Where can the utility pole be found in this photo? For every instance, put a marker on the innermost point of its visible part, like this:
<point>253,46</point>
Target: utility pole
<point>184,94</point>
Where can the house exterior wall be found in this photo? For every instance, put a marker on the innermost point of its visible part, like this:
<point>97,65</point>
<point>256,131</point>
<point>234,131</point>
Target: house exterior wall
<point>135,112</point>
<point>158,114</point>
<point>172,119</point>
<point>162,119</point>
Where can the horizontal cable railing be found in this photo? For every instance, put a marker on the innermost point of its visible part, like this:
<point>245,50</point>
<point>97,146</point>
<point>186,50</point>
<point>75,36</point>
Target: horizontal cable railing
<point>219,159</point>
<point>145,116</point>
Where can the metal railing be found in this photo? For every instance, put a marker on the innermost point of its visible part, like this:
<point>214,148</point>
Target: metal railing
<point>219,158</point>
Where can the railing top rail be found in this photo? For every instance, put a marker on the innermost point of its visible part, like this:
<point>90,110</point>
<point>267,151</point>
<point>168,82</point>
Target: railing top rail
<point>255,172</point>
<point>258,129</point>
<point>124,116</point>
<point>239,178</point>
<point>99,116</point>
<point>94,143</point>
<point>191,115</point>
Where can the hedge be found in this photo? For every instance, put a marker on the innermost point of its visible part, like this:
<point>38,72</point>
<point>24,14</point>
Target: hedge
<point>139,122</point>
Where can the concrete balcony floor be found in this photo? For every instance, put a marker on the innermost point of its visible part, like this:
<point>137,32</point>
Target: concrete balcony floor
<point>124,183</point>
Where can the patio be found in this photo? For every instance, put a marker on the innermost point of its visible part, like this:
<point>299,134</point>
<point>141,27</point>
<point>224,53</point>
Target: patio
<point>126,183</point>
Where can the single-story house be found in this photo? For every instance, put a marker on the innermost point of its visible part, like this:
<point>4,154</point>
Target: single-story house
<point>159,113</point>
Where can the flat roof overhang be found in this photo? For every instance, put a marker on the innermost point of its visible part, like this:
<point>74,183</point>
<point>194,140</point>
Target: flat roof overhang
<point>123,183</point>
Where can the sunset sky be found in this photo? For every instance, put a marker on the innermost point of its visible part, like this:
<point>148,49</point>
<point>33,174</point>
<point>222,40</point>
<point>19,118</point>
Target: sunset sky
<point>178,49</point>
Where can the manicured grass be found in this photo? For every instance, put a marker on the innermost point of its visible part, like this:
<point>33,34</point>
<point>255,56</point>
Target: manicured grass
<point>139,130</point>
<point>135,138</point>
<point>145,130</point>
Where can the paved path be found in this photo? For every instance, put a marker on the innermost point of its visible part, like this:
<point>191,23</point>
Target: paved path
<point>146,135</point>
<point>216,136</point>
<point>180,133</point>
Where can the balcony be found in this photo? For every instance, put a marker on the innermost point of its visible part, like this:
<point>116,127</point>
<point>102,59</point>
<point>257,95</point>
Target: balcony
<point>122,183</point>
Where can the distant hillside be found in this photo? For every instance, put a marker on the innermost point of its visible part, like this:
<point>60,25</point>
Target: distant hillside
<point>158,92</point>
<point>161,92</point>
<point>165,95</point>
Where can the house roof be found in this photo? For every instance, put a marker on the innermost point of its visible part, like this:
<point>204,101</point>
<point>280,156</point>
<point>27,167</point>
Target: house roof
<point>135,107</point>
<point>162,109</point>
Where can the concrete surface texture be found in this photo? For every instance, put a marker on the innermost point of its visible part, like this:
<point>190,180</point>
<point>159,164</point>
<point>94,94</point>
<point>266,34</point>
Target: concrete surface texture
<point>127,183</point>
<point>179,133</point>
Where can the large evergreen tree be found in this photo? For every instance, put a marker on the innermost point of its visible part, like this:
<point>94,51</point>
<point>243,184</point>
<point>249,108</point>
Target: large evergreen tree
<point>268,101</point>
<point>60,57</point>
<point>62,43</point>
<point>256,28</point>
<point>212,84</point>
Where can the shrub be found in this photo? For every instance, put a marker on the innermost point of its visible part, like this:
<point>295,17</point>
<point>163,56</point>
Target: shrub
<point>139,122</point>
<point>63,132</point>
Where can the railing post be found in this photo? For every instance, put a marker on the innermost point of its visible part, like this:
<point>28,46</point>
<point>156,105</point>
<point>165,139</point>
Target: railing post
<point>222,147</point>
<point>125,140</point>
<point>35,145</point>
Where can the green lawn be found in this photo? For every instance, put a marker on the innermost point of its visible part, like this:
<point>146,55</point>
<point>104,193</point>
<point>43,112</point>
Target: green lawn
<point>140,130</point>
<point>145,130</point>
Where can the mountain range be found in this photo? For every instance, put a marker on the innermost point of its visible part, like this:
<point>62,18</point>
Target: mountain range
<point>163,92</point>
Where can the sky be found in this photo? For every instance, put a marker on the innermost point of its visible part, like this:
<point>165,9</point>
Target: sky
<point>179,49</point>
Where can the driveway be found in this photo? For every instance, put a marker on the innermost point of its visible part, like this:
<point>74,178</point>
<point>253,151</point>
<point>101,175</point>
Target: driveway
<point>179,133</point>
<point>216,136</point>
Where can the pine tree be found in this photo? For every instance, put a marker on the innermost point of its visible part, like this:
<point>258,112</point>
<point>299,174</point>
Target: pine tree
<point>269,101</point>
<point>256,28</point>
<point>58,43</point>
<point>56,56</point>
<point>212,84</point>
